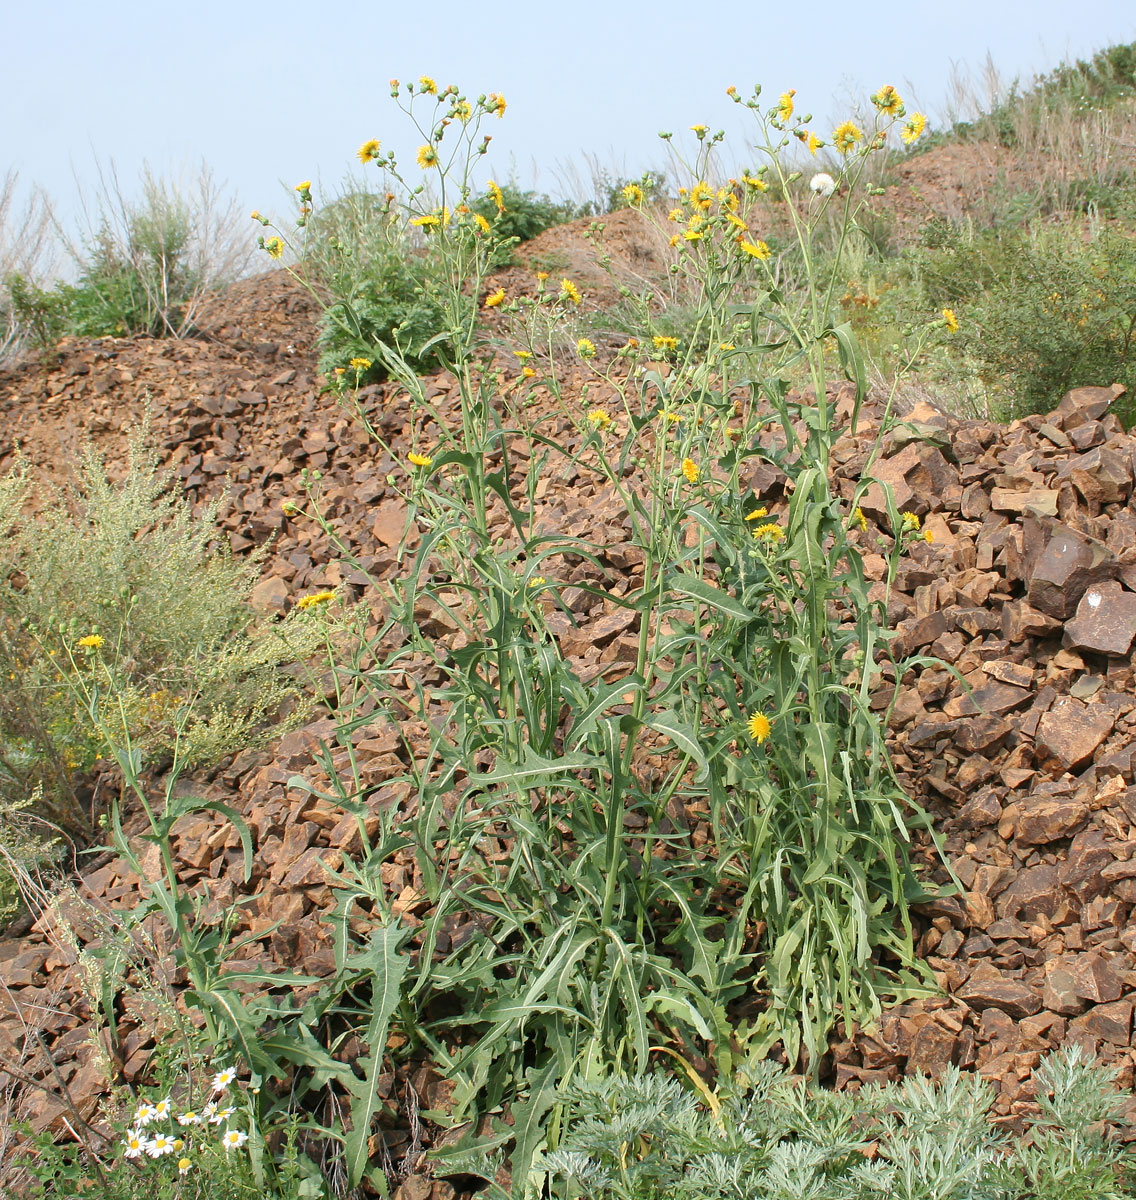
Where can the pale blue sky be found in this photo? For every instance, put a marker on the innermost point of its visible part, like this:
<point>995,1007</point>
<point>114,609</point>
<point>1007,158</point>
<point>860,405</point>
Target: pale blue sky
<point>281,91</point>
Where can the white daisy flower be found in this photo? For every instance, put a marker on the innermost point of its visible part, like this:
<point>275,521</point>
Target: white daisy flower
<point>823,184</point>
<point>183,1165</point>
<point>163,1110</point>
<point>222,1114</point>
<point>189,1118</point>
<point>144,1115</point>
<point>160,1145</point>
<point>233,1139</point>
<point>223,1078</point>
<point>207,1113</point>
<point>134,1142</point>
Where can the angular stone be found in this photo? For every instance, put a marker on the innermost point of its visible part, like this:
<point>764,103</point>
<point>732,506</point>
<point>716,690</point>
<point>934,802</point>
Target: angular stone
<point>932,1050</point>
<point>1101,474</point>
<point>1107,1022</point>
<point>1021,620</point>
<point>1010,996</point>
<point>993,699</point>
<point>982,734</point>
<point>269,595</point>
<point>1059,994</point>
<point>1035,891</point>
<point>919,632</point>
<point>1082,870</point>
<point>1069,733</point>
<point>1084,404</point>
<point>1042,502</point>
<point>1105,622</point>
<point>1069,564</point>
<point>1044,820</point>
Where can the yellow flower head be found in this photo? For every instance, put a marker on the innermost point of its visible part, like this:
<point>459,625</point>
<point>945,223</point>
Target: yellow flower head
<point>537,581</point>
<point>495,191</point>
<point>756,249</point>
<point>427,156</point>
<point>672,418</point>
<point>569,291</point>
<point>928,536</point>
<point>183,1165</point>
<point>701,195</point>
<point>676,214</point>
<point>913,127</point>
<point>427,85</point>
<point>599,419</point>
<point>785,105</point>
<point>770,533</point>
<point>755,183</point>
<point>481,223</point>
<point>888,102</point>
<point>950,320</point>
<point>306,186</point>
<point>419,460</point>
<point>289,508</point>
<point>315,600</point>
<point>633,194</point>
<point>759,727</point>
<point>690,470</point>
<point>860,519</point>
<point>845,137</point>
<point>737,222</point>
<point>527,373</point>
<point>497,103</point>
<point>274,246</point>
<point>495,298</point>
<point>523,354</point>
<point>368,151</point>
<point>813,142</point>
<point>91,642</point>
<point>360,364</point>
<point>463,110</point>
<point>427,221</point>
<point>757,514</point>
<point>665,344</point>
<point>586,348</point>
<point>910,521</point>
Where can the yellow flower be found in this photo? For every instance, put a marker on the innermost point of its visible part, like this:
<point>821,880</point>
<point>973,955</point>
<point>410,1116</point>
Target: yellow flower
<point>569,291</point>
<point>731,90</point>
<point>785,104</point>
<point>495,191</point>
<point>537,580</point>
<point>183,1165</point>
<point>360,364</point>
<point>701,195</point>
<point>887,101</point>
<point>928,536</point>
<point>481,223</point>
<point>255,215</point>
<point>633,194</point>
<point>665,344</point>
<point>913,127</point>
<point>427,85</point>
<point>950,320</point>
<point>726,346</point>
<point>755,183</point>
<point>771,532</point>
<point>289,508</point>
<point>368,151</point>
<point>860,519</point>
<point>427,156</point>
<point>675,214</point>
<point>586,348</point>
<point>274,246</point>
<point>427,221</point>
<point>599,419</point>
<point>541,276</point>
<point>737,222</point>
<point>91,642</point>
<point>755,249</point>
<point>527,373</point>
<point>757,514</point>
<point>672,418</point>
<point>306,186</point>
<point>911,522</point>
<point>315,600</point>
<point>845,137</point>
<point>690,470</point>
<point>692,235</point>
<point>759,727</point>
<point>675,240</point>
<point>523,354</point>
<point>419,460</point>
<point>813,142</point>
<point>497,104</point>
<point>495,298</point>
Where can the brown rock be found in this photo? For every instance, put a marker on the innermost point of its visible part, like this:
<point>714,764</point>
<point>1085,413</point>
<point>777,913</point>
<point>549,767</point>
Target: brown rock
<point>1106,1022</point>
<point>1042,502</point>
<point>1084,404</point>
<point>1010,996</point>
<point>269,595</point>
<point>1044,820</point>
<point>993,699</point>
<point>1081,871</point>
<point>1021,620</point>
<point>932,1050</point>
<point>1035,891</point>
<point>1105,622</point>
<point>1069,564</point>
<point>1069,733</point>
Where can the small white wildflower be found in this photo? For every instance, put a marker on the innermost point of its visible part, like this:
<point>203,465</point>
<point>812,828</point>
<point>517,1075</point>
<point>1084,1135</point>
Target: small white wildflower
<point>160,1145</point>
<point>144,1115</point>
<point>163,1110</point>
<point>189,1118</point>
<point>223,1078</point>
<point>183,1165</point>
<point>134,1142</point>
<point>209,1111</point>
<point>222,1114</point>
<point>823,184</point>
<point>234,1139</point>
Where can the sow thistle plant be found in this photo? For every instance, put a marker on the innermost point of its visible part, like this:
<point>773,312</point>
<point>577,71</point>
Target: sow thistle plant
<point>596,930</point>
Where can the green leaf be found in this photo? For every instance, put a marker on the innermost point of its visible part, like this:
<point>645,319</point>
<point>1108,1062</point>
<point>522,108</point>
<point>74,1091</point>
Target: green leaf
<point>707,593</point>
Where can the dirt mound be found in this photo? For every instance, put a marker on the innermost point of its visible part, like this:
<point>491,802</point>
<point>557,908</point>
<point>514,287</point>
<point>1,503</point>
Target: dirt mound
<point>1028,591</point>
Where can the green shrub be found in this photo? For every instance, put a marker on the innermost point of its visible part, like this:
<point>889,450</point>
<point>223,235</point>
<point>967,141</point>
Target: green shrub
<point>128,565</point>
<point>526,214</point>
<point>649,1138</point>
